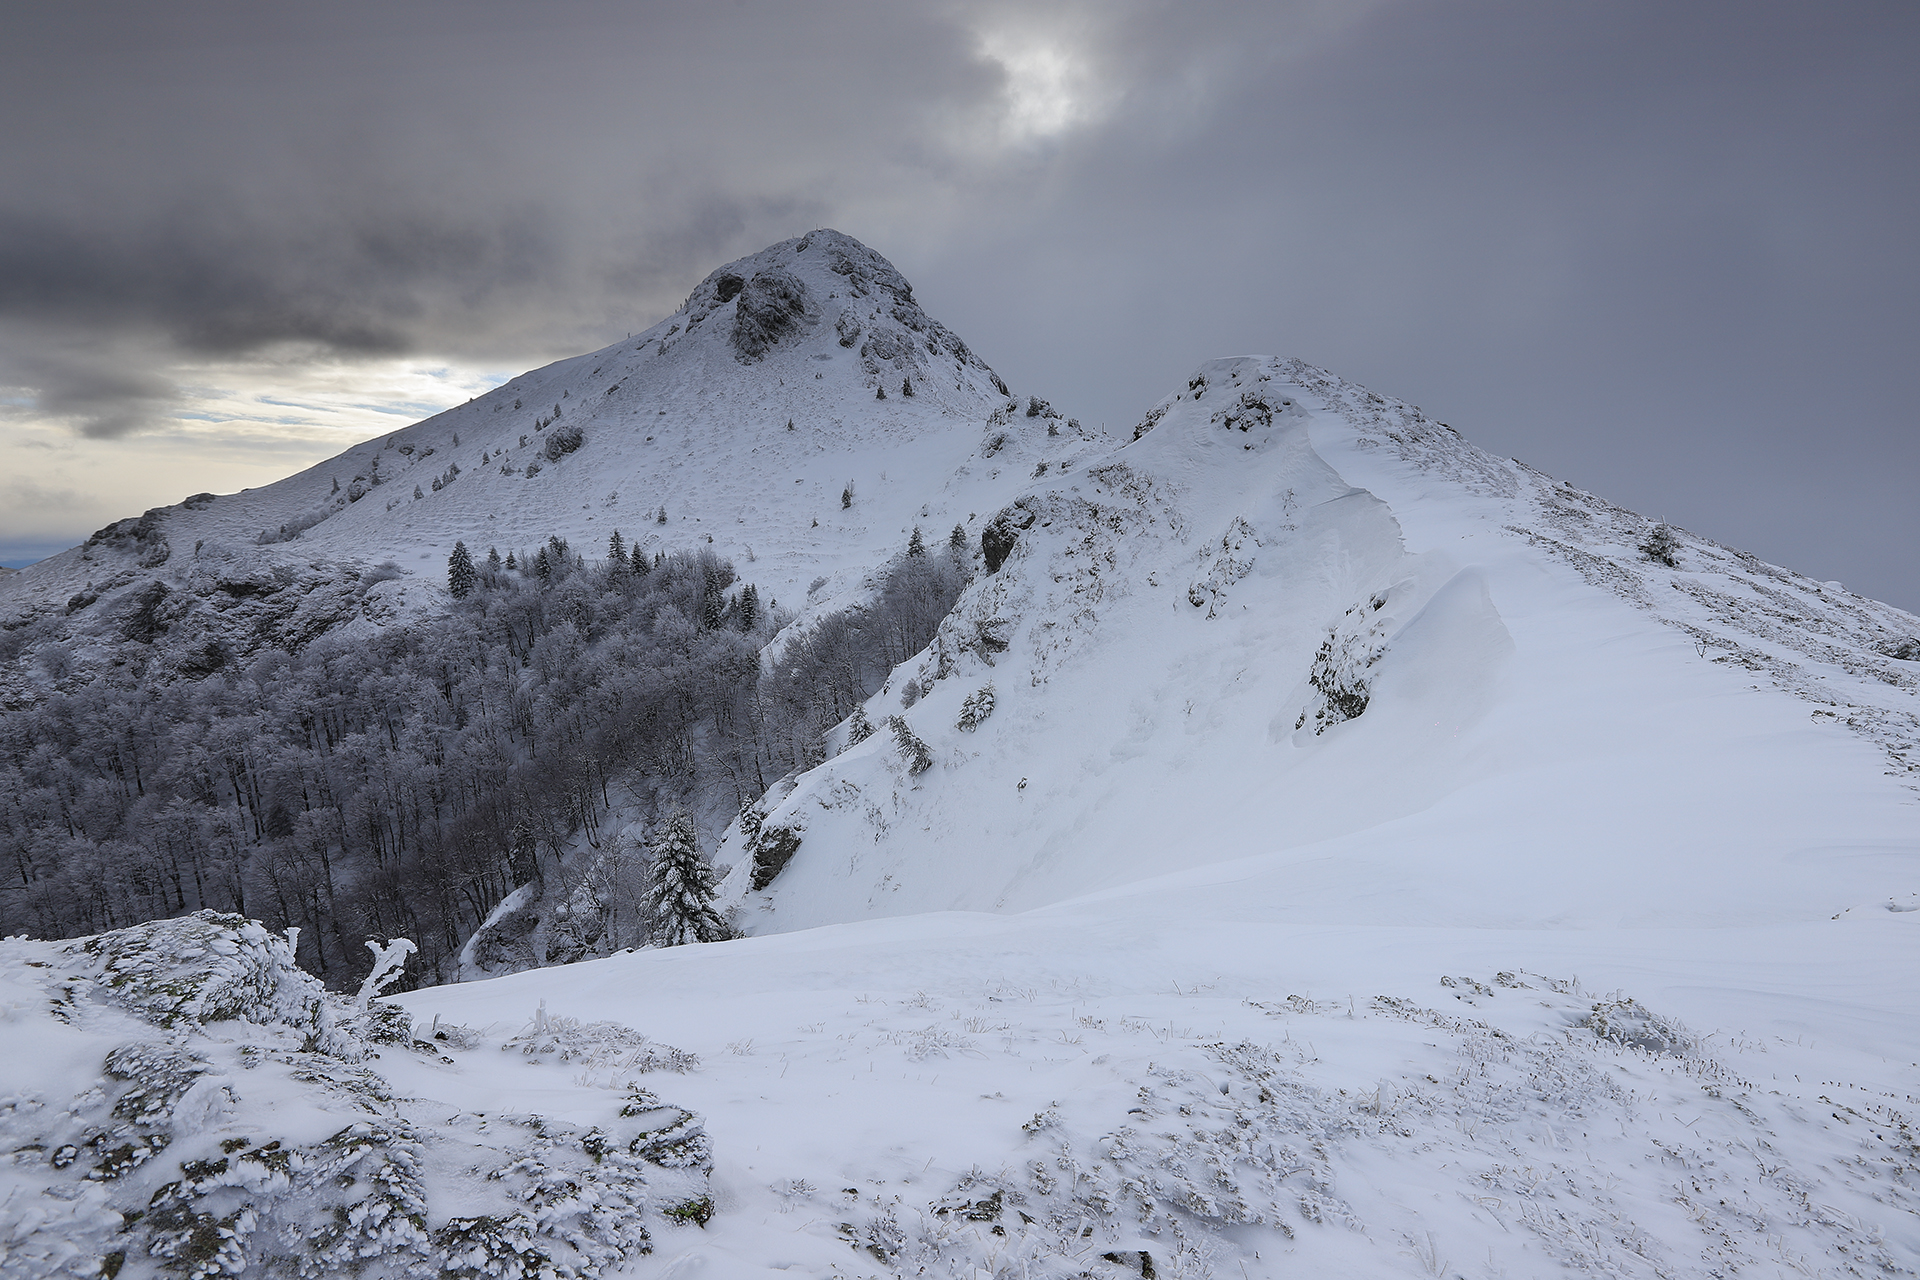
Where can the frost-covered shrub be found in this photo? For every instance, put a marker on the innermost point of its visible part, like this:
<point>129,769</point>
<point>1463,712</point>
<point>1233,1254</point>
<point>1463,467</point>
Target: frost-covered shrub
<point>533,467</point>
<point>562,441</point>
<point>912,750</point>
<point>1626,1021</point>
<point>977,707</point>
<point>295,527</point>
<point>209,967</point>
<point>909,692</point>
<point>1340,674</point>
<point>1662,545</point>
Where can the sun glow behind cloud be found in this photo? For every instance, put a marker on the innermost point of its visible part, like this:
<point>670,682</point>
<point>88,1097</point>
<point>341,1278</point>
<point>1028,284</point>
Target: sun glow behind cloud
<point>1050,86</point>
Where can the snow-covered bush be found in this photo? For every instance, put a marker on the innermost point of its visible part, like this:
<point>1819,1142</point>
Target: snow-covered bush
<point>859,728</point>
<point>1662,545</point>
<point>562,441</point>
<point>1340,675</point>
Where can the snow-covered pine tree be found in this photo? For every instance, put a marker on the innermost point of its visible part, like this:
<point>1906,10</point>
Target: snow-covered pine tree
<point>916,545</point>
<point>859,728</point>
<point>977,707</point>
<point>493,559</point>
<point>747,613</point>
<point>617,549</point>
<point>919,759</point>
<point>460,573</point>
<point>681,888</point>
<point>957,540</point>
<point>640,566</point>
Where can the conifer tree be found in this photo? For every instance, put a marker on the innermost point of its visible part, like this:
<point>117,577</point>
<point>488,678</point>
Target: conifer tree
<point>912,750</point>
<point>859,728</point>
<point>749,607</point>
<point>460,573</point>
<point>510,562</point>
<point>681,888</point>
<point>493,559</point>
<point>640,565</point>
<point>616,549</point>
<point>916,545</point>
<point>957,540</point>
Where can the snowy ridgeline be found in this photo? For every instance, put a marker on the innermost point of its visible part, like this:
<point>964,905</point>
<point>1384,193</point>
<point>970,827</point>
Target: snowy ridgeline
<point>179,1099</point>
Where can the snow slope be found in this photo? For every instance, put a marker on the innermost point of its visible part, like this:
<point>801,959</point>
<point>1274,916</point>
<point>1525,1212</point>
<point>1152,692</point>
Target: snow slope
<point>1587,947</point>
<point>1561,733</point>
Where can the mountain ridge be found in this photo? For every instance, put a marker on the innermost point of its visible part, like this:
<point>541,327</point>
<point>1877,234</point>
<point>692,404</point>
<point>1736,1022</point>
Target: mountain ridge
<point>1297,841</point>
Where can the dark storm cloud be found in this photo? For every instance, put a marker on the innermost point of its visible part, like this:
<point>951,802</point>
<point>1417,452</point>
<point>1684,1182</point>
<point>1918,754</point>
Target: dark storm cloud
<point>1664,251</point>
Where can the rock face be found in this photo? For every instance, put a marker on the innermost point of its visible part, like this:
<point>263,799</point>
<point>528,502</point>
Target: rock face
<point>774,304</point>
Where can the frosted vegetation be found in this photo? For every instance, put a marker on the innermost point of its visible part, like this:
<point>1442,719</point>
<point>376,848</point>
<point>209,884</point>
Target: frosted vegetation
<point>195,1105</point>
<point>408,782</point>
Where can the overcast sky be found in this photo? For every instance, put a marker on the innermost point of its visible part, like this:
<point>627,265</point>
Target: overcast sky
<point>1665,251</point>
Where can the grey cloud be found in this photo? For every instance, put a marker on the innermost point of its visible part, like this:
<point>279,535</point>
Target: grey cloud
<point>31,493</point>
<point>1662,250</point>
<point>102,392</point>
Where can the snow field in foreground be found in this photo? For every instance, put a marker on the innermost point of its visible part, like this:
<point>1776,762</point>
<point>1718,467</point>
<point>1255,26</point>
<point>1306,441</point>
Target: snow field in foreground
<point>963,1095</point>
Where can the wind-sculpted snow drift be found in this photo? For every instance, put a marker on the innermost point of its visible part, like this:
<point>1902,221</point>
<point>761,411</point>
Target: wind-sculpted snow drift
<point>1309,846</point>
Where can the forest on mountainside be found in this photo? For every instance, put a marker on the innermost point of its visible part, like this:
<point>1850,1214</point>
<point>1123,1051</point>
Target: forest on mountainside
<point>403,783</point>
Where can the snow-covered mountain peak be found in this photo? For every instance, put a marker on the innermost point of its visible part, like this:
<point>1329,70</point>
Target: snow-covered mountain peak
<point>800,415</point>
